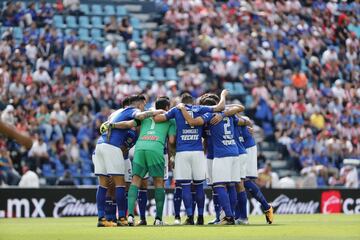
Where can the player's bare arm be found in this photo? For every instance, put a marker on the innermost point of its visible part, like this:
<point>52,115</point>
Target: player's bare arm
<point>124,124</point>
<point>230,110</point>
<point>244,121</point>
<point>221,105</point>
<point>160,118</point>
<point>199,121</point>
<point>142,115</point>
<point>171,150</point>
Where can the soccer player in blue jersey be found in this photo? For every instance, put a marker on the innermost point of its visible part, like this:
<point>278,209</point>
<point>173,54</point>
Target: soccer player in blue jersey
<point>208,99</point>
<point>190,162</point>
<point>225,164</point>
<point>109,160</point>
<point>249,143</point>
<point>231,110</point>
<point>110,207</point>
<point>240,210</point>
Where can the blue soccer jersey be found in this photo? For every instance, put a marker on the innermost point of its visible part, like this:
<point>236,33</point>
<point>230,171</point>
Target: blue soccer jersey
<point>131,138</point>
<point>249,140</point>
<point>117,137</point>
<point>239,136</point>
<point>188,138</point>
<point>223,138</point>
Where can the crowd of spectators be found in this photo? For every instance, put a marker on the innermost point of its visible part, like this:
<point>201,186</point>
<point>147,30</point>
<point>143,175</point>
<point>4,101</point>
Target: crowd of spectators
<point>298,62</point>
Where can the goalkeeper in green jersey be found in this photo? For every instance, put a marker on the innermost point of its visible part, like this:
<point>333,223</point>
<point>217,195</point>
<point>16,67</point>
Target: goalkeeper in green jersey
<point>149,157</point>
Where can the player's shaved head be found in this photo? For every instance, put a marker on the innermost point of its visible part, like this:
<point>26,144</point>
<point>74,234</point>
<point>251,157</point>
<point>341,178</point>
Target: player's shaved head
<point>162,103</point>
<point>186,98</point>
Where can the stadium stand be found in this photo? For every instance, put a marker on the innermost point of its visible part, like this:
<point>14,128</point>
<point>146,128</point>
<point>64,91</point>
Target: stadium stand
<point>294,64</point>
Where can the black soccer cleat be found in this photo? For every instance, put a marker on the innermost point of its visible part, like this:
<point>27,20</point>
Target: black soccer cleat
<point>189,221</point>
<point>200,220</point>
<point>142,222</point>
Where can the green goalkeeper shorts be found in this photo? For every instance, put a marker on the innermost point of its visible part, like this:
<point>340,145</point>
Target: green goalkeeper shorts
<point>148,161</point>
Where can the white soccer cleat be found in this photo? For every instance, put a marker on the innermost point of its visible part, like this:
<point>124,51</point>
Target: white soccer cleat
<point>177,222</point>
<point>158,222</point>
<point>240,221</point>
<point>131,221</point>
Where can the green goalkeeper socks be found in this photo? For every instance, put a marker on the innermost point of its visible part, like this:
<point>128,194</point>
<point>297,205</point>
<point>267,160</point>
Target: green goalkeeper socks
<point>159,199</point>
<point>132,196</point>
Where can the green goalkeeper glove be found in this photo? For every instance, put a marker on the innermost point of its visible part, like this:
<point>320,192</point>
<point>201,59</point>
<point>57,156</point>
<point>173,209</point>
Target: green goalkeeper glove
<point>104,127</point>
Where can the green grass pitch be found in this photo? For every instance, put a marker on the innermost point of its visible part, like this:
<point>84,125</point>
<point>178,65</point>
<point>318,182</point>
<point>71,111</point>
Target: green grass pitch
<point>302,227</point>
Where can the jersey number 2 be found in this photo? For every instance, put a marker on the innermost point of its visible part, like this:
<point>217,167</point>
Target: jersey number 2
<point>227,126</point>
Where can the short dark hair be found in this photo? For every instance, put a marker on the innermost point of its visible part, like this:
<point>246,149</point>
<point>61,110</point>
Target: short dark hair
<point>141,98</point>
<point>209,102</point>
<point>126,102</point>
<point>132,99</point>
<point>186,98</point>
<point>162,103</point>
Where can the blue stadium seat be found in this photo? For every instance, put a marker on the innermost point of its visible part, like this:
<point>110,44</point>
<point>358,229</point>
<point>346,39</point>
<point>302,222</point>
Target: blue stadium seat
<point>145,58</point>
<point>47,170</point>
<point>96,22</point>
<point>96,35</point>
<point>86,170</point>
<point>122,60</point>
<point>84,22</point>
<point>71,22</point>
<point>122,47</point>
<point>84,34</point>
<point>145,74</point>
<point>106,19</point>
<point>96,9</point>
<point>76,181</point>
<point>248,100</point>
<point>17,33</point>
<point>59,170</point>
<point>73,169</point>
<point>239,89</point>
<point>87,181</point>
<point>171,74</point>
<point>59,21</point>
<point>67,70</point>
<point>135,23</point>
<point>84,153</point>
<point>121,11</point>
<point>136,36</point>
<point>85,9</point>
<point>229,86</point>
<point>159,74</point>
<point>133,73</point>
<point>109,10</point>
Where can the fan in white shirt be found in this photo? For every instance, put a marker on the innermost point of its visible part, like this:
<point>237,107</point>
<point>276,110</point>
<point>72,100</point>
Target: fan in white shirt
<point>41,76</point>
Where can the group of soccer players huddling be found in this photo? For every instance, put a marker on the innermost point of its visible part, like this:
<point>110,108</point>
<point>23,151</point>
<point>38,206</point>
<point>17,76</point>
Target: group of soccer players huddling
<point>211,141</point>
